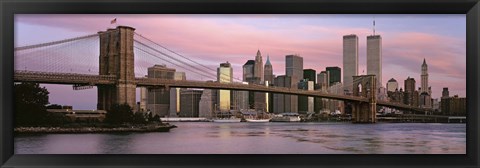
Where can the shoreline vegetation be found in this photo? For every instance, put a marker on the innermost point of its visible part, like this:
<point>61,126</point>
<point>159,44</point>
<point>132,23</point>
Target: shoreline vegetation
<point>32,116</point>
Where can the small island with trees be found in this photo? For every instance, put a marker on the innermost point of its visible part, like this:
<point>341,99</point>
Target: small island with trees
<point>31,116</point>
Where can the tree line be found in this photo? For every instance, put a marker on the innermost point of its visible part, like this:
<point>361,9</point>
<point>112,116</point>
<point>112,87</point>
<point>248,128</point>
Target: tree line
<point>31,103</point>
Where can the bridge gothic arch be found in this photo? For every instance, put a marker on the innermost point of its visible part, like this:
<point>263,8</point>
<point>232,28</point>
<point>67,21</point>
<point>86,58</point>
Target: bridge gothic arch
<point>364,112</point>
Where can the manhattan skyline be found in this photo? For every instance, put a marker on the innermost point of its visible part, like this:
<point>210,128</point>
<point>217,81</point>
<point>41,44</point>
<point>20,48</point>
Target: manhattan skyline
<point>213,39</point>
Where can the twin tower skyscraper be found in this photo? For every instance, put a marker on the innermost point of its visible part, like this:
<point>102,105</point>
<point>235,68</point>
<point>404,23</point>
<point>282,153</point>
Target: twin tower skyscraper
<point>350,59</point>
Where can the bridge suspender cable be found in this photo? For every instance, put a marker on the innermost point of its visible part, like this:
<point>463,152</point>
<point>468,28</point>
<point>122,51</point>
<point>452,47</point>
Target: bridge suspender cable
<point>182,56</point>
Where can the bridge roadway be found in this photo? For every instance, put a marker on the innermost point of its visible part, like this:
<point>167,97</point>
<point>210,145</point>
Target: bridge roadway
<point>85,79</point>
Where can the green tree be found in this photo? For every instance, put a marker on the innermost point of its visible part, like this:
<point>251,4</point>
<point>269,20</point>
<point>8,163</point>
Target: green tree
<point>139,118</point>
<point>30,102</point>
<point>119,114</point>
<point>54,106</point>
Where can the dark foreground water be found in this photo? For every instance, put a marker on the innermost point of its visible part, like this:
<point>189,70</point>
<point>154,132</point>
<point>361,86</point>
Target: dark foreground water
<point>260,138</point>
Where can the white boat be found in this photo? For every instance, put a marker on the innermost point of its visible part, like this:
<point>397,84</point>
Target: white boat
<point>258,120</point>
<point>251,115</point>
<point>286,117</point>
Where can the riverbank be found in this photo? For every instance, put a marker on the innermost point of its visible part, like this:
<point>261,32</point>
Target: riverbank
<point>79,130</point>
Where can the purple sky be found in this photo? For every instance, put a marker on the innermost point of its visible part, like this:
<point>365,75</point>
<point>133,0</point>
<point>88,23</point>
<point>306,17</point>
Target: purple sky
<point>212,39</point>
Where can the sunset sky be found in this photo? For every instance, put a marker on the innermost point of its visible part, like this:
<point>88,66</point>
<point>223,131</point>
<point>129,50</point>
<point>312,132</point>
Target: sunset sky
<point>212,39</point>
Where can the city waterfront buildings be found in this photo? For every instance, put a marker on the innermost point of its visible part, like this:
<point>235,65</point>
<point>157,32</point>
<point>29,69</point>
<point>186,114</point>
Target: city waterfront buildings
<point>248,72</point>
<point>308,83</point>
<point>224,75</point>
<point>207,103</point>
<point>322,85</point>
<point>445,93</point>
<point>424,78</point>
<point>268,72</point>
<point>392,85</point>
<point>454,106</point>
<point>305,104</point>
<point>294,70</point>
<point>175,95</point>
<point>190,102</point>
<point>258,71</point>
<point>158,98</point>
<point>410,95</point>
<point>334,74</point>
<point>143,99</point>
<point>240,99</point>
<point>282,103</point>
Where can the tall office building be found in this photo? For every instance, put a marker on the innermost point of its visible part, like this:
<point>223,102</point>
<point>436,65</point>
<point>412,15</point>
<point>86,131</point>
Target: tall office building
<point>305,104</point>
<point>175,95</point>
<point>310,75</point>
<point>224,75</point>
<point>409,84</point>
<point>248,72</point>
<point>159,99</point>
<point>143,99</point>
<point>374,57</point>
<point>308,83</point>
<point>334,75</point>
<point>294,70</point>
<point>392,85</point>
<point>424,78</point>
<point>240,99</point>
<point>410,95</point>
<point>350,60</point>
<point>323,80</point>
<point>268,80</point>
<point>258,72</point>
<point>207,103</point>
<point>323,84</point>
<point>260,99</point>
<point>445,93</point>
<point>268,70</point>
<point>190,101</point>
<point>281,102</point>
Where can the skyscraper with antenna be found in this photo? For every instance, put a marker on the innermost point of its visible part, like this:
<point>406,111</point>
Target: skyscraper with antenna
<point>374,56</point>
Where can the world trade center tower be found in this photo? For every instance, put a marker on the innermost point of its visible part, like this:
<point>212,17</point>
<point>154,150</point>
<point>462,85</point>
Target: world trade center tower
<point>374,57</point>
<point>350,60</point>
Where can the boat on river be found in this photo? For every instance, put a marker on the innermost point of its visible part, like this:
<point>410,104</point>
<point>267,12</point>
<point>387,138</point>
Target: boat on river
<point>286,117</point>
<point>251,115</point>
<point>227,120</point>
<point>226,117</point>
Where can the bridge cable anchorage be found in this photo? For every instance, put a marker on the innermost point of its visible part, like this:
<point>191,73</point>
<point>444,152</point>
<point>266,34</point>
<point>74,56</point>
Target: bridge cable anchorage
<point>204,66</point>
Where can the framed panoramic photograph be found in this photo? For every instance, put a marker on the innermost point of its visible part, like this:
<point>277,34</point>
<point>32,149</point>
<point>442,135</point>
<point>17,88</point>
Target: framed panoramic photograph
<point>228,83</point>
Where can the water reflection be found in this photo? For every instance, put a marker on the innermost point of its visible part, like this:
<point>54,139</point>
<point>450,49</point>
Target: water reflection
<point>258,138</point>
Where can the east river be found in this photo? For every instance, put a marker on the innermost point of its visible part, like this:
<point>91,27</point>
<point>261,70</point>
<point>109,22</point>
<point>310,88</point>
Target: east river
<point>260,138</point>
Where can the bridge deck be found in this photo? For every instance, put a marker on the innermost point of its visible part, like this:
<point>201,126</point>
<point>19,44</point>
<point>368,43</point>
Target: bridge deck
<point>84,79</point>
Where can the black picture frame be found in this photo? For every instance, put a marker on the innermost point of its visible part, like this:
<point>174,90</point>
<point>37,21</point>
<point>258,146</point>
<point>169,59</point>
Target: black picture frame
<point>9,8</point>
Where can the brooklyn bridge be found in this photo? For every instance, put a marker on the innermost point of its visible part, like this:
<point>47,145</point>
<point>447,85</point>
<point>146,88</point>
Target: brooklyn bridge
<point>119,69</point>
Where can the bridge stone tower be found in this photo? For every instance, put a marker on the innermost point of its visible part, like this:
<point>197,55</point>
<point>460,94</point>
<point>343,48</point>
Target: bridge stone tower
<point>364,86</point>
<point>117,58</point>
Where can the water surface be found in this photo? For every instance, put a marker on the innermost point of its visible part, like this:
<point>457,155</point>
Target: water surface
<point>260,138</point>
